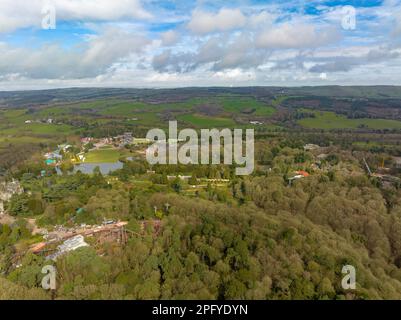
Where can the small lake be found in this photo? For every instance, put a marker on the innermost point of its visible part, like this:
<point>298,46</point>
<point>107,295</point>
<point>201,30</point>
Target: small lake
<point>87,168</point>
<point>105,167</point>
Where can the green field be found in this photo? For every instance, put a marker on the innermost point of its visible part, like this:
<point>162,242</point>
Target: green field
<point>208,111</point>
<point>38,129</point>
<point>198,112</point>
<point>146,119</point>
<point>23,140</point>
<point>330,120</point>
<point>124,109</point>
<point>220,111</point>
<point>103,156</point>
<point>201,121</point>
<point>246,105</point>
<point>227,104</point>
<point>366,144</point>
<point>14,130</point>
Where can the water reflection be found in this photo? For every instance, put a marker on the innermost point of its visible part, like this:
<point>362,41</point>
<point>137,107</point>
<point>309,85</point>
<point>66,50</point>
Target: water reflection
<point>87,168</point>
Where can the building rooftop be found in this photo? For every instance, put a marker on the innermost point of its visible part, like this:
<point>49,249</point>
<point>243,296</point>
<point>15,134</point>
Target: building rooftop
<point>73,244</point>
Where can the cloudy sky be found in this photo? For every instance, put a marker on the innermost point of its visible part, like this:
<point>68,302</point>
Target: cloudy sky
<point>176,43</point>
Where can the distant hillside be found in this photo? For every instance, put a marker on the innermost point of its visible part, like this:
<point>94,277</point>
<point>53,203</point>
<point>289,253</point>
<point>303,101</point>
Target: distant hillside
<point>41,97</point>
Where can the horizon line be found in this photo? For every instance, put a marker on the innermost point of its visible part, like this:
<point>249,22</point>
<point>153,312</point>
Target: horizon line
<point>205,87</point>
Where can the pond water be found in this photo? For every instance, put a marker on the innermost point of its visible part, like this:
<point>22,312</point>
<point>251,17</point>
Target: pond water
<point>105,167</point>
<point>87,168</point>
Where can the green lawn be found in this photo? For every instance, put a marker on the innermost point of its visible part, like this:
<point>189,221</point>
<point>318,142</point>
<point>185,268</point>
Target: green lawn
<point>330,120</point>
<point>103,155</point>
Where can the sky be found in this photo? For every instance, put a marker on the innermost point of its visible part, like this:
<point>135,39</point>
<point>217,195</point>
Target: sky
<point>181,43</point>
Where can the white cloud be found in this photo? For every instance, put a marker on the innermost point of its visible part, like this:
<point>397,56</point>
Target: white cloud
<point>236,75</point>
<point>248,44</point>
<point>345,63</point>
<point>225,20</point>
<point>90,59</point>
<point>15,14</point>
<point>288,35</point>
<point>262,19</point>
<point>169,38</point>
<point>100,9</point>
<point>218,52</point>
<point>397,24</point>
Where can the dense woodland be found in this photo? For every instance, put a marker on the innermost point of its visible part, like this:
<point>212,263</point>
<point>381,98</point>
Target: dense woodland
<point>257,238</point>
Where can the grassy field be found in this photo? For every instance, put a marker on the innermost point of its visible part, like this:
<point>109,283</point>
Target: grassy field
<point>37,129</point>
<point>23,140</point>
<point>146,119</point>
<point>246,105</point>
<point>103,156</point>
<point>124,109</point>
<point>14,130</point>
<point>201,121</point>
<point>330,120</point>
<point>227,104</point>
<point>366,144</point>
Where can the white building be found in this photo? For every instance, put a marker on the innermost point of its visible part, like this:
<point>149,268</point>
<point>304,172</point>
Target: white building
<point>69,245</point>
<point>73,244</point>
